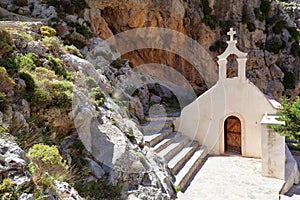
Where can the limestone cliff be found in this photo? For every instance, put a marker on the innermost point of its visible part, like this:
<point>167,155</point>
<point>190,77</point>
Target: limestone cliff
<point>256,22</point>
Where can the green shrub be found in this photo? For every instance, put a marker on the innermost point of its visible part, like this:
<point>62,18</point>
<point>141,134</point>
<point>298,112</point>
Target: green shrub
<point>207,10</point>
<point>76,39</point>
<point>265,7</point>
<point>219,44</point>
<point>274,45</point>
<point>211,21</point>
<point>279,26</point>
<point>99,190</point>
<point>7,83</point>
<point>118,63</point>
<point>97,96</point>
<point>258,14</point>
<point>69,75</point>
<point>56,66</point>
<point>289,80</point>
<point>270,21</point>
<point>260,44</point>
<point>131,64</point>
<point>10,65</point>
<point>251,27</point>
<point>79,5</point>
<point>5,37</point>
<point>4,48</point>
<point>28,61</point>
<point>61,93</point>
<point>73,50</point>
<point>41,98</point>
<point>53,44</point>
<point>9,190</point>
<point>62,99</point>
<point>295,49</point>
<point>2,98</point>
<point>53,2</point>
<point>83,30</point>
<point>27,37</point>
<point>6,43</point>
<point>294,33</point>
<point>90,82</point>
<point>41,74</point>
<point>226,25</point>
<point>204,3</point>
<point>47,31</point>
<point>46,166</point>
<point>29,80</point>
<point>45,155</point>
<point>130,134</point>
<point>176,188</point>
<point>58,94</point>
<point>62,86</point>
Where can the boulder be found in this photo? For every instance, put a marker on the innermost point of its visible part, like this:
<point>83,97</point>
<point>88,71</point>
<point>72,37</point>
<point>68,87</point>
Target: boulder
<point>155,99</point>
<point>37,47</point>
<point>144,97</point>
<point>136,108</point>
<point>276,72</point>
<point>95,168</point>
<point>26,196</point>
<point>66,192</point>
<point>19,122</point>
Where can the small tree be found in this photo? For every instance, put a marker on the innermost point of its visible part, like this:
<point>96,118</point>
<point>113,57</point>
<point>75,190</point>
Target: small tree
<point>290,114</point>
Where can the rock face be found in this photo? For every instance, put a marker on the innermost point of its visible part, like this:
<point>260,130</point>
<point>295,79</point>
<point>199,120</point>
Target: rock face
<point>188,17</point>
<point>13,162</point>
<point>14,166</point>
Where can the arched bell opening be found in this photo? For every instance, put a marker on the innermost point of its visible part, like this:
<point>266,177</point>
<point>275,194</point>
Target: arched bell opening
<point>232,66</point>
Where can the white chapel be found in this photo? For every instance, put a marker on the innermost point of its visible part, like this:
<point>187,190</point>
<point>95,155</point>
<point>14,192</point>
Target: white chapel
<point>232,118</point>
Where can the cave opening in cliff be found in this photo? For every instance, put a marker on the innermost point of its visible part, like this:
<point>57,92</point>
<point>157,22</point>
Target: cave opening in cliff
<point>187,70</point>
<point>158,99</point>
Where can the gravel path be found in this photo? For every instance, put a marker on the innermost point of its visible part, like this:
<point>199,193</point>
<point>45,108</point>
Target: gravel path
<point>232,178</point>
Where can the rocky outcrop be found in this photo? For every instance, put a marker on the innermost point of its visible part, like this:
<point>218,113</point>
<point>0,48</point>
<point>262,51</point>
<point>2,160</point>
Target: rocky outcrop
<point>188,17</point>
<point>13,162</point>
<point>102,133</point>
<point>14,167</point>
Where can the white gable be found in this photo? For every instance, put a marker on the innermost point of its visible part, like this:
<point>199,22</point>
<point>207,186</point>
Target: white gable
<point>203,120</point>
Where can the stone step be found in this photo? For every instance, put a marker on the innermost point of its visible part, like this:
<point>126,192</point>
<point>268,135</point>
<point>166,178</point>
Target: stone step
<point>156,126</point>
<point>151,139</point>
<point>165,142</point>
<point>176,163</point>
<point>188,170</point>
<point>164,116</point>
<point>174,147</point>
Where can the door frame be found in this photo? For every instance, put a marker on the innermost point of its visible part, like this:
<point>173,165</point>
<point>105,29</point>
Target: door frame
<point>222,135</point>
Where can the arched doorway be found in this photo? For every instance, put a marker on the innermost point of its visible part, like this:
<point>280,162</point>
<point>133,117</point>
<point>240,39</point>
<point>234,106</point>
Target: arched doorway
<point>232,135</point>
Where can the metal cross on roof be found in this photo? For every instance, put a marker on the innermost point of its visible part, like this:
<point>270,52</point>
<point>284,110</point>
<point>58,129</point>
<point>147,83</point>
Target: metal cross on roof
<point>231,33</point>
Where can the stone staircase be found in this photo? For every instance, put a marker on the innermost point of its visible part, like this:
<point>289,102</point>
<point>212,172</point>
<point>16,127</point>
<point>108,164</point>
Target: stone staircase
<point>182,155</point>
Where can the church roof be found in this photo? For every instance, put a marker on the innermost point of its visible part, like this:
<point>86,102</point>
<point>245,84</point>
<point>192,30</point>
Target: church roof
<point>273,102</point>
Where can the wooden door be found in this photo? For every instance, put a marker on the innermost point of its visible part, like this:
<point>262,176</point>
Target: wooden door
<point>232,129</point>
